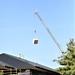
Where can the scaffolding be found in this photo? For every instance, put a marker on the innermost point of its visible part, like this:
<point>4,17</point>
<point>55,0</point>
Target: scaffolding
<point>15,71</point>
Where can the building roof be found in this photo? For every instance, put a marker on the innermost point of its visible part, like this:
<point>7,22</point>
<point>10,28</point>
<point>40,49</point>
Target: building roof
<point>4,64</point>
<point>16,62</point>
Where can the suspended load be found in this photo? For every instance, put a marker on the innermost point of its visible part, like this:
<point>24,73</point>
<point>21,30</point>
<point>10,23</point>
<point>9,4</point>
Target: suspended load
<point>35,41</point>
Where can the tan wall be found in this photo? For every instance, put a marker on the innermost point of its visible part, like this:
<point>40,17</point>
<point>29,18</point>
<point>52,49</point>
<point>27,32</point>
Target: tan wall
<point>1,72</point>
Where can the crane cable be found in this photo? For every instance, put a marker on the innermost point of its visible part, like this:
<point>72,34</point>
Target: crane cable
<point>35,34</point>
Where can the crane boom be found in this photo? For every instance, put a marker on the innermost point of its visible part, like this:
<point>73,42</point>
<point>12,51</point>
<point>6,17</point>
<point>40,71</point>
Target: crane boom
<point>50,33</point>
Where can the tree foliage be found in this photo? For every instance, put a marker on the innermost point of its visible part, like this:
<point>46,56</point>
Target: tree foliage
<point>68,61</point>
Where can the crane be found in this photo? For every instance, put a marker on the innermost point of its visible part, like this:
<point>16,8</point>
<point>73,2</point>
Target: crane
<point>50,33</point>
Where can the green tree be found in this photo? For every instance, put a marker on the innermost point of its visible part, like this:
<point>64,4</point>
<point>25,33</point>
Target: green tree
<point>68,60</point>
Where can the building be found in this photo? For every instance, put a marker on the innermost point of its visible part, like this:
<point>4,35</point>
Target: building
<point>12,65</point>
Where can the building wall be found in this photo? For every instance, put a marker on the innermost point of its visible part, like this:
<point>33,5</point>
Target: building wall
<point>38,73</point>
<point>1,72</point>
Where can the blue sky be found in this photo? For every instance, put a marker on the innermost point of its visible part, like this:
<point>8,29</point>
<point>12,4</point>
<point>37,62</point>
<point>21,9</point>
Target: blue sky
<point>18,22</point>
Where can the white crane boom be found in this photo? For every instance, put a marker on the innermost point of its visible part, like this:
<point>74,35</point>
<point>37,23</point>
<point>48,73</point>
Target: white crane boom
<point>50,33</point>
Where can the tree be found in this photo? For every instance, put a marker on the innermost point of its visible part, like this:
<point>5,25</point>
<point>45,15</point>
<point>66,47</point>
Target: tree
<point>68,61</point>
